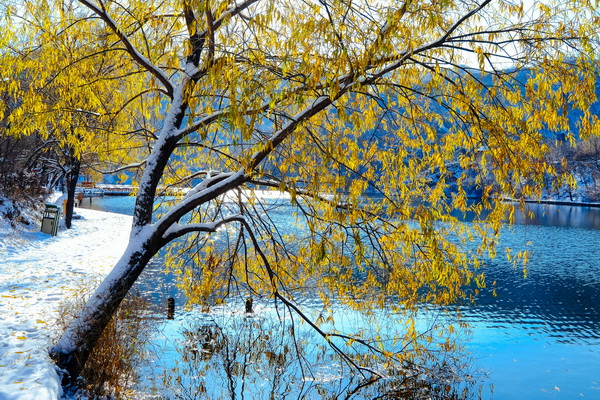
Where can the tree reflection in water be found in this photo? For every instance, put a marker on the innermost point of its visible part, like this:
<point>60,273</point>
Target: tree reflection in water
<point>253,357</point>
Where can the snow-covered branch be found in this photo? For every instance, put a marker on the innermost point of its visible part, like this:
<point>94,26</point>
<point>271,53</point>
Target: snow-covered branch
<point>207,190</point>
<point>125,167</point>
<point>211,177</point>
<point>159,156</point>
<point>176,230</point>
<point>186,179</point>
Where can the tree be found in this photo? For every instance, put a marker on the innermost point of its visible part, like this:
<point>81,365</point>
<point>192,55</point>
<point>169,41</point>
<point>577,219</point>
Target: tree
<point>415,103</point>
<point>71,111</point>
<point>26,163</point>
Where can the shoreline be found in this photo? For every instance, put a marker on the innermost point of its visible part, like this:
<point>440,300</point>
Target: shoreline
<point>38,274</point>
<point>555,202</point>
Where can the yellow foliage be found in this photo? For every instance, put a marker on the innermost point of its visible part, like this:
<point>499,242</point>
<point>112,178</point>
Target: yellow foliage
<point>378,120</point>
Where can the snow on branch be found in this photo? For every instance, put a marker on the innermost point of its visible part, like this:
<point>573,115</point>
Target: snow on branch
<point>188,178</point>
<point>232,11</point>
<point>211,177</point>
<point>207,190</point>
<point>124,168</point>
<point>176,230</point>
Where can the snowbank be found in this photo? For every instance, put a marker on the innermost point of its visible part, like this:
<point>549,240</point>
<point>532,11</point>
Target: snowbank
<point>38,271</point>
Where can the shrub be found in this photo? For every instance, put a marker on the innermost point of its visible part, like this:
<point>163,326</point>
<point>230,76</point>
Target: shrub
<point>111,370</point>
<point>588,149</point>
<point>25,211</point>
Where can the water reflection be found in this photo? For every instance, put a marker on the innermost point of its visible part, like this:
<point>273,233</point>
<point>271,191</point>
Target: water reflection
<point>559,216</point>
<point>234,355</point>
<point>538,336</point>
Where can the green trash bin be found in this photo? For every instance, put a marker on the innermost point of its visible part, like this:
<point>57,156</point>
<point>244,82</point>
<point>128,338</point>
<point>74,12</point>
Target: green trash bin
<point>51,219</point>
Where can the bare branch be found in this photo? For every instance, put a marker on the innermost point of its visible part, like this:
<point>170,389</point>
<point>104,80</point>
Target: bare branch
<point>137,56</point>
<point>290,305</point>
<point>125,168</point>
<point>177,230</point>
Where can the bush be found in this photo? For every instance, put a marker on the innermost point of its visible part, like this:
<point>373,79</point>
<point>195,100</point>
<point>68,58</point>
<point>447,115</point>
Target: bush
<point>588,149</point>
<point>21,185</point>
<point>111,370</point>
<point>25,167</point>
<point>25,211</point>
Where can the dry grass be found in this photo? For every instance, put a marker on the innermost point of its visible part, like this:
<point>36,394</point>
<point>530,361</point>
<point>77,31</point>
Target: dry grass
<point>588,149</point>
<point>111,370</point>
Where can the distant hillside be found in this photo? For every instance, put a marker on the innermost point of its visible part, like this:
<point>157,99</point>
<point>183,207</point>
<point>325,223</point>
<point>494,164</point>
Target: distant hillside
<point>583,163</point>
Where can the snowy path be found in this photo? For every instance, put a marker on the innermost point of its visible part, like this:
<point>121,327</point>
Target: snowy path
<point>37,272</point>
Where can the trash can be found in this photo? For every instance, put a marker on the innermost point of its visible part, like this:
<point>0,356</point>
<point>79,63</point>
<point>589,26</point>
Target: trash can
<point>51,219</point>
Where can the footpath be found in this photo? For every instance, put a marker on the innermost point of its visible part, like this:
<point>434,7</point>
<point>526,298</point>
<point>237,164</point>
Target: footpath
<point>39,273</point>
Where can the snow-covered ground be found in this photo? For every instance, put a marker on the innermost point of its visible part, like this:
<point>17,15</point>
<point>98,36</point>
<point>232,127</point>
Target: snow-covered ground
<point>37,273</point>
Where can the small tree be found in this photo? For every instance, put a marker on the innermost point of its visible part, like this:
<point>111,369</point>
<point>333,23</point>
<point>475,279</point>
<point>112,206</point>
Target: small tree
<point>41,157</point>
<point>73,113</point>
<point>26,163</point>
<point>326,101</point>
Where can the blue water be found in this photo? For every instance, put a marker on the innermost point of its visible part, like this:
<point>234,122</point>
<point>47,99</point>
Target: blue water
<point>538,337</point>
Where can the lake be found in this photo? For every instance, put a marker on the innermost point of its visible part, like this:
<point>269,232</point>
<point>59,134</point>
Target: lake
<point>537,338</point>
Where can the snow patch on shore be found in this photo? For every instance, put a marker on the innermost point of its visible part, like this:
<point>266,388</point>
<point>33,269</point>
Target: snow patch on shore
<point>37,273</point>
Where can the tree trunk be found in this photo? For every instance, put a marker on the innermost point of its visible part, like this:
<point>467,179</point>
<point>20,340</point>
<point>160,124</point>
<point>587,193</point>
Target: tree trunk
<point>76,343</point>
<point>74,347</point>
<point>72,178</point>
